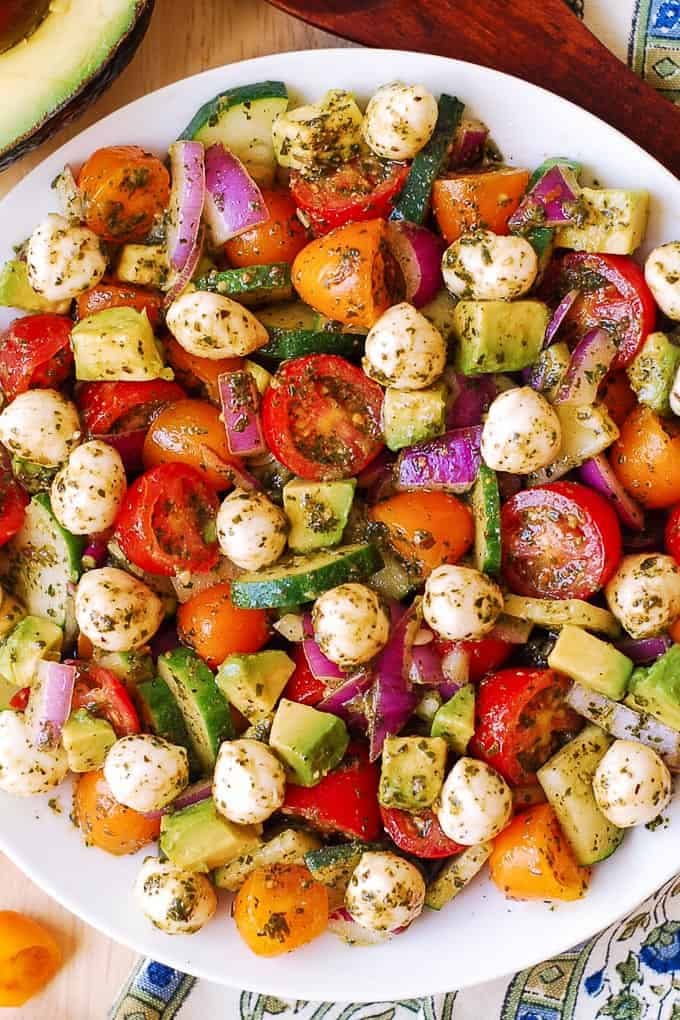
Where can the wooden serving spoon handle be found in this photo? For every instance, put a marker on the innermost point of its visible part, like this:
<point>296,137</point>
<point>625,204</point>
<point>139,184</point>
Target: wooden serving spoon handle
<point>541,41</point>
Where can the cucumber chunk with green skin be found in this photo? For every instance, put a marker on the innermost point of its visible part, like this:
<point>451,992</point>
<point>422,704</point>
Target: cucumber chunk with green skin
<point>456,874</point>
<point>253,682</point>
<point>204,707</point>
<point>591,661</point>
<point>161,715</point>
<point>333,865</point>
<point>197,838</point>
<point>413,203</point>
<point>652,372</point>
<point>33,640</point>
<point>486,509</point>
<point>557,612</point>
<point>293,343</point>
<point>251,285</point>
<point>309,743</point>
<point>300,579</point>
<point>288,847</point>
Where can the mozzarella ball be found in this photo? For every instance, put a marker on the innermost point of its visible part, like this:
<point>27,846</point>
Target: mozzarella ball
<point>644,593</point>
<point>632,785</point>
<point>25,769</point>
<point>41,426</point>
<point>385,892</point>
<point>146,772</point>
<point>350,624</point>
<point>675,394</point>
<point>176,901</point>
<point>251,530</point>
<point>88,491</point>
<point>116,611</point>
<point>399,120</point>
<point>522,432</point>
<point>486,267</point>
<point>404,350</point>
<point>213,326</point>
<point>63,261</point>
<point>475,803</point>
<point>249,783</point>
<point>461,603</point>
<point>662,273</point>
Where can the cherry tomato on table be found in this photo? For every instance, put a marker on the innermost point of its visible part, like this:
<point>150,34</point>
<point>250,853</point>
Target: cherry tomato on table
<point>559,541</point>
<point>109,294</point>
<point>191,432</point>
<point>123,189</point>
<point>483,654</point>
<point>101,692</point>
<point>13,502</point>
<point>278,239</point>
<point>214,627</point>
<point>280,908</point>
<point>426,528</point>
<point>646,458</point>
<point>418,834</point>
<point>199,375</point>
<point>107,824</point>
<point>463,202</point>
<point>29,958</point>
<point>35,353</point>
<point>360,189</point>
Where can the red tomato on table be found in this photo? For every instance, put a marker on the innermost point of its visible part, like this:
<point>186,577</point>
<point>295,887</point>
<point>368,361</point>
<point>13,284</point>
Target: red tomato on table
<point>35,353</point>
<point>358,190</point>
<point>418,834</point>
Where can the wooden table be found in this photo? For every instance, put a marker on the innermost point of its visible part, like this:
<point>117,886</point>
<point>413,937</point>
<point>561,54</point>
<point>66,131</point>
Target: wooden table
<point>186,36</point>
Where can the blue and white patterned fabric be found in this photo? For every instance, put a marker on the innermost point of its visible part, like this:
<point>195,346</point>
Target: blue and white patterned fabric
<point>629,972</point>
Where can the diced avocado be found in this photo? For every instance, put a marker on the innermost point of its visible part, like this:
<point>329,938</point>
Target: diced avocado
<point>396,579</point>
<point>455,720</point>
<point>253,682</point>
<point>11,612</point>
<point>310,743</point>
<point>117,343</point>
<point>498,336</point>
<point>198,838</point>
<point>591,661</point>
<point>333,865</point>
<point>558,612</point>
<point>16,291</point>
<point>614,222</point>
<point>456,874</point>
<point>587,429</point>
<point>656,689</point>
<point>32,640</point>
<point>412,772</point>
<point>408,416</point>
<point>143,264</point>
<point>652,372</point>
<point>287,847</point>
<point>550,367</point>
<point>131,667</point>
<point>440,312</point>
<point>87,740</point>
<point>317,512</point>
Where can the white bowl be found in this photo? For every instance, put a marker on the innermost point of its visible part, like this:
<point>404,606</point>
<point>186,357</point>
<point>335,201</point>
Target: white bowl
<point>480,935</point>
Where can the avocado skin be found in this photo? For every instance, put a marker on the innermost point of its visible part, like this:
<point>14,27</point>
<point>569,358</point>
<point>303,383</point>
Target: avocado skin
<point>89,93</point>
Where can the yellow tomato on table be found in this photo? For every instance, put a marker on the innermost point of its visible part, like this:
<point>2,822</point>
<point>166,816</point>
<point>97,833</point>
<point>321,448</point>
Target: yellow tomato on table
<point>29,958</point>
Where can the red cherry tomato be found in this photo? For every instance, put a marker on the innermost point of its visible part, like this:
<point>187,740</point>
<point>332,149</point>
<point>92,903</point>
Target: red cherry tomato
<point>110,294</point>
<point>484,654</point>
<point>35,353</point>
<point>167,521</point>
<point>559,541</point>
<point>359,190</point>
<point>124,406</point>
<point>522,719</point>
<point>673,534</point>
<point>13,503</point>
<point>420,835</point>
<point>321,417</point>
<point>303,686</point>
<point>101,692</point>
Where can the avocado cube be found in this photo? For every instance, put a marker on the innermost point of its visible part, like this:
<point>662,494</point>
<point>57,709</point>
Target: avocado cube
<point>498,336</point>
<point>198,838</point>
<point>310,743</point>
<point>652,372</point>
<point>455,720</point>
<point>117,343</point>
<point>412,772</point>
<point>253,683</point>
<point>614,222</point>
<point>87,740</point>
<point>409,416</point>
<point>317,512</point>
<point>590,661</point>
<point>656,689</point>
<point>16,291</point>
<point>33,639</point>
<point>439,311</point>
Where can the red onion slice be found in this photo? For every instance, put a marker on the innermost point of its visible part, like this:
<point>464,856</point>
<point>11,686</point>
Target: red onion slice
<point>342,924</point>
<point>473,398</point>
<point>320,666</point>
<point>558,317</point>
<point>233,203</point>
<point>49,704</point>
<point>393,700</point>
<point>180,281</point>
<point>591,359</point>
<point>240,401</point>
<point>194,794</point>
<point>419,254</point>
<point>644,650</point>
<point>94,554</point>
<point>598,474</point>
<point>449,462</point>
<point>347,699</point>
<point>468,142</point>
<point>187,166</point>
<point>552,202</point>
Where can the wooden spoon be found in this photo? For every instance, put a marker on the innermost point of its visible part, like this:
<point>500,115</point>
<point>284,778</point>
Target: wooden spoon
<point>541,41</point>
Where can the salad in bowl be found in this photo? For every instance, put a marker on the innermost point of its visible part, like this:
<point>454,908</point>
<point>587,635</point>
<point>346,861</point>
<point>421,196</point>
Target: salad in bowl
<point>340,515</point>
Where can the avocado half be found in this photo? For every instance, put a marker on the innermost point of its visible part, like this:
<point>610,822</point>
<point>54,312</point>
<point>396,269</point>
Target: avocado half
<point>73,55</point>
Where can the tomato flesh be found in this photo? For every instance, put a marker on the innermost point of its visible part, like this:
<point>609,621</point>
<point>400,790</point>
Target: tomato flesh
<point>101,692</point>
<point>303,686</point>
<point>358,190</point>
<point>107,294</point>
<point>418,834</point>
<point>13,502</point>
<point>35,353</point>
<point>124,406</point>
<point>483,654</point>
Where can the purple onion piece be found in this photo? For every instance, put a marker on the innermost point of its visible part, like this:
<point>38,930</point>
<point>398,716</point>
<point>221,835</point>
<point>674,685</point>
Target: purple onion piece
<point>186,201</point>
<point>320,666</point>
<point>419,254</point>
<point>590,361</point>
<point>95,554</point>
<point>598,474</point>
<point>346,699</point>
<point>129,445</point>
<point>194,794</point>
<point>558,317</point>
<point>233,203</point>
<point>49,704</point>
<point>474,396</point>
<point>644,650</point>
<point>240,401</point>
<point>164,640</point>
<point>180,280</point>
<point>552,202</point>
<point>426,666</point>
<point>393,700</point>
<point>449,462</point>
<point>468,143</point>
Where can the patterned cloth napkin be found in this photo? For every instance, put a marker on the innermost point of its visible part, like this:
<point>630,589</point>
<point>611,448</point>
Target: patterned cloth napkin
<point>629,972</point>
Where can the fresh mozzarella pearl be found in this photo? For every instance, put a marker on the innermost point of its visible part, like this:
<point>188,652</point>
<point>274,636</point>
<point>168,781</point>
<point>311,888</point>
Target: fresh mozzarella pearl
<point>350,624</point>
<point>675,394</point>
<point>41,426</point>
<point>87,493</point>
<point>25,769</point>
<point>176,901</point>
<point>644,593</point>
<point>145,772</point>
<point>486,267</point>
<point>116,611</point>
<point>251,530</point>
<point>522,432</point>
<point>385,892</point>
<point>662,273</point>
<point>461,603</point>
<point>400,120</point>
<point>213,326</point>
<point>404,350</point>
<point>475,802</point>
<point>63,261</point>
<point>631,785</point>
<point>249,783</point>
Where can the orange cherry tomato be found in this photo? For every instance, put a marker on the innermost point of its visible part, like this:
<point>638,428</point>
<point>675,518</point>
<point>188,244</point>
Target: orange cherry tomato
<point>200,375</point>
<point>646,458</point>
<point>108,294</point>
<point>279,909</point>
<point>485,199</point>
<point>349,275</point>
<point>428,528</point>
<point>278,239</point>
<point>29,958</point>
<point>107,824</point>
<point>214,627</point>
<point>618,397</point>
<point>190,432</point>
<point>532,860</point>
<point>123,188</point>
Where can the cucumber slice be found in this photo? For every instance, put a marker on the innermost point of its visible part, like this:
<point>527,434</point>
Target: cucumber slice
<point>414,201</point>
<point>206,712</point>
<point>486,508</point>
<point>555,613</point>
<point>252,285</point>
<point>456,874</point>
<point>333,865</point>
<point>288,847</point>
<point>291,315</point>
<point>161,714</point>
<point>301,579</point>
<point>292,343</point>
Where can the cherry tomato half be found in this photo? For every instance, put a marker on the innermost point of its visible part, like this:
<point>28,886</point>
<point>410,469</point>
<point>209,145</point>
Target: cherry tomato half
<point>107,824</point>
<point>123,189</point>
<point>483,654</point>
<point>109,294</point>
<point>108,407</point>
<point>426,528</point>
<point>420,835</point>
<point>191,432</point>
<point>646,458</point>
<point>278,239</point>
<point>280,908</point>
<point>673,534</point>
<point>35,353</point>
<point>13,503</point>
<point>101,692</point>
<point>29,958</point>
<point>358,190</point>
<point>214,627</point>
<point>303,686</point>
